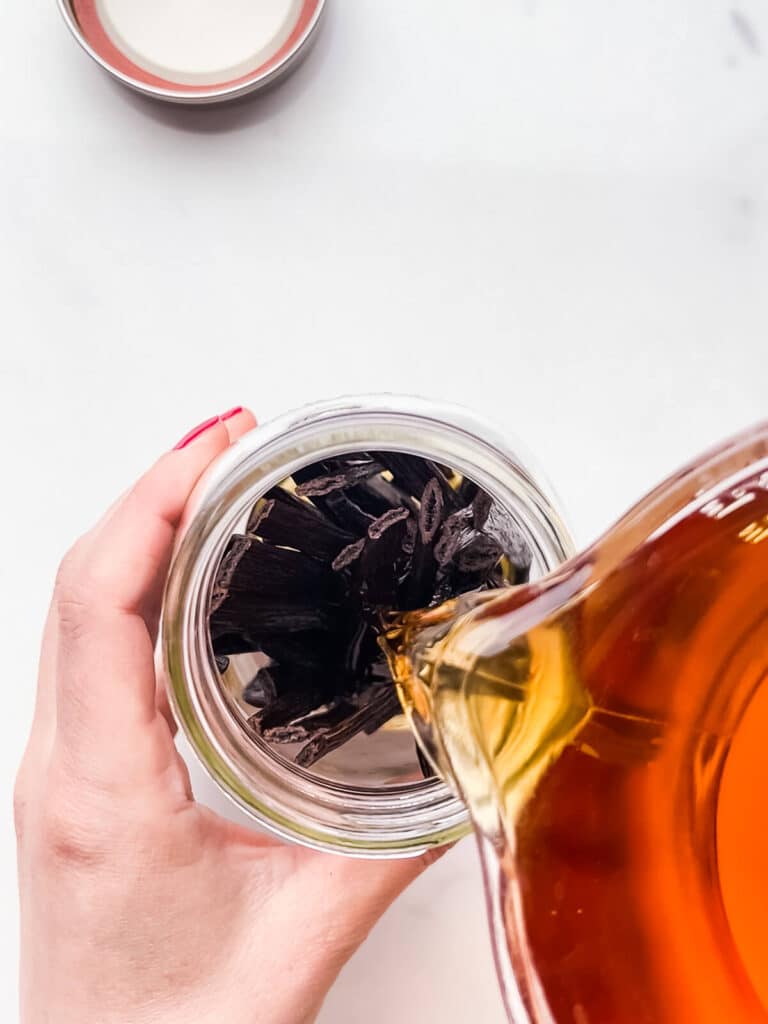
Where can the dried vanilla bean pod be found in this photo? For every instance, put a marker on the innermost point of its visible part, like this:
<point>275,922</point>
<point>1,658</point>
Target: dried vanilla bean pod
<point>369,718</point>
<point>282,517</point>
<point>323,561</point>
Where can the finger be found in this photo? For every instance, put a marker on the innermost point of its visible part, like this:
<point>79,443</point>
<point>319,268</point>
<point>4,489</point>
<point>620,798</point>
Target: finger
<point>105,672</point>
<point>238,421</point>
<point>345,897</point>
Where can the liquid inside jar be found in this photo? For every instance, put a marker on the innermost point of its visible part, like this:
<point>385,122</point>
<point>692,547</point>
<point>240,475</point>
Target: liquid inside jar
<point>608,729</point>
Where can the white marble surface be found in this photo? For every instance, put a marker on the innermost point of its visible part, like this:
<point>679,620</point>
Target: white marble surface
<point>554,211</point>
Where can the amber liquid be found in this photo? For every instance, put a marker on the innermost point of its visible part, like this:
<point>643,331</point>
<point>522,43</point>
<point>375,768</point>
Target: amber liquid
<point>616,756</point>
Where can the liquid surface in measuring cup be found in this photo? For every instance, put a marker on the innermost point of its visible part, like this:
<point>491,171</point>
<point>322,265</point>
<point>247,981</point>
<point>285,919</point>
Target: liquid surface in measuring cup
<point>608,728</point>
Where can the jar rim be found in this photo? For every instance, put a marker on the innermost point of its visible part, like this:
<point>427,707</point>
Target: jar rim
<point>399,820</point>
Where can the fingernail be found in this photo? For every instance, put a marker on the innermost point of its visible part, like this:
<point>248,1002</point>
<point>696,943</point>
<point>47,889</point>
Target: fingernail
<point>230,413</point>
<point>196,432</point>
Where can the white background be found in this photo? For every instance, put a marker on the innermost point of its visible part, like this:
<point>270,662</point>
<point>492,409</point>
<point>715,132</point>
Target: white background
<point>553,212</point>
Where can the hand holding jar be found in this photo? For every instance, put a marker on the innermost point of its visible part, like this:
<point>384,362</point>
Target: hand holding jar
<point>137,904</point>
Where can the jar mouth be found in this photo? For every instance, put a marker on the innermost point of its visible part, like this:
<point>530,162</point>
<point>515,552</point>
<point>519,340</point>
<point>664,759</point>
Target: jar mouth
<point>397,819</point>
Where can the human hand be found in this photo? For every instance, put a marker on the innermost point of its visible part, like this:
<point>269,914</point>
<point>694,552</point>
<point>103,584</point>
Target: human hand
<point>137,904</point>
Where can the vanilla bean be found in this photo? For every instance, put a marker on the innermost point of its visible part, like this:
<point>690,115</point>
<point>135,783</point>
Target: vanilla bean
<point>412,473</point>
<point>236,548</point>
<point>479,555</point>
<point>310,651</point>
<point>349,555</point>
<point>370,718</point>
<point>312,726</point>
<point>287,709</point>
<point>454,534</point>
<point>237,615</point>
<point>226,644</point>
<point>260,568</point>
<point>307,586</point>
<point>481,507</point>
<point>346,513</point>
<point>378,494</point>
<point>285,519</point>
<point>381,562</point>
<point>261,691</point>
<point>323,485</point>
<point>420,578</point>
<point>379,526</point>
<point>430,511</point>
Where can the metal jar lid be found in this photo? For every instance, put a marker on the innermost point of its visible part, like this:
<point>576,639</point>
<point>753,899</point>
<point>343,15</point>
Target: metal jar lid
<point>194,54</point>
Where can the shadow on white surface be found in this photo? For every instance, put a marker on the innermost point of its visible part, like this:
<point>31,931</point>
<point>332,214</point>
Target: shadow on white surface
<point>235,115</point>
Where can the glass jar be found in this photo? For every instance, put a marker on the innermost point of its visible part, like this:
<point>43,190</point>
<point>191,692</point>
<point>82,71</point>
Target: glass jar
<point>374,812</point>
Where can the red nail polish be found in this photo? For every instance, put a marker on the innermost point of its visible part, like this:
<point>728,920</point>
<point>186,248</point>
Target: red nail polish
<point>196,432</point>
<point>230,413</point>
